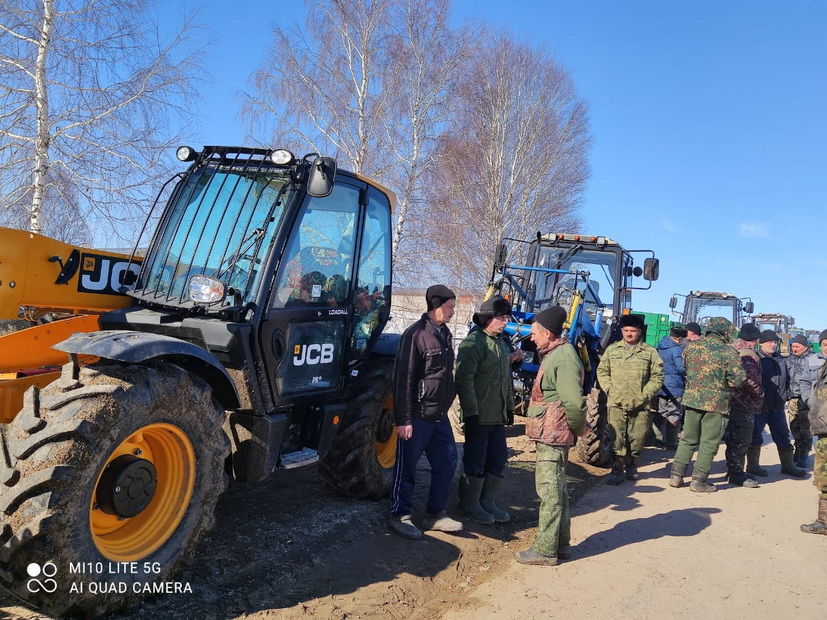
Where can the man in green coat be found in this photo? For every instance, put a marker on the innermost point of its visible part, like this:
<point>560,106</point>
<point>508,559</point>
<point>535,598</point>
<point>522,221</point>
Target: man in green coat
<point>560,379</point>
<point>713,373</point>
<point>486,398</point>
<point>631,373</point>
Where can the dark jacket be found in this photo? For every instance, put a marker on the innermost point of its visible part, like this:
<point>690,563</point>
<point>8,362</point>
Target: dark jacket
<point>674,372</point>
<point>483,378</point>
<point>775,381</point>
<point>818,400</point>
<point>748,398</point>
<point>423,382</point>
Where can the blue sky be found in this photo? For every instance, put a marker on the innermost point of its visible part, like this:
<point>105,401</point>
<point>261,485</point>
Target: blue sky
<point>708,123</point>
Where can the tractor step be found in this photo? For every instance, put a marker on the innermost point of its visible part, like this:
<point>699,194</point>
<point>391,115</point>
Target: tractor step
<point>292,460</point>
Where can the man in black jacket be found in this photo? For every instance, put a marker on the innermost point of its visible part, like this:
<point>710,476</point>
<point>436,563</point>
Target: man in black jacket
<point>423,390</point>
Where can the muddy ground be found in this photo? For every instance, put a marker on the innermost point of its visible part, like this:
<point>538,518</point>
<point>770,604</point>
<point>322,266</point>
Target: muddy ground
<point>293,548</point>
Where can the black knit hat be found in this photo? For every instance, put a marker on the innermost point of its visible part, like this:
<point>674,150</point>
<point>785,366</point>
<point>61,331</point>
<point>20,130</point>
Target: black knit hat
<point>496,306</point>
<point>800,339</point>
<point>632,320</point>
<point>822,336</point>
<point>437,295</point>
<point>768,335</point>
<point>692,326</point>
<point>749,331</point>
<point>552,319</point>
<point>677,332</point>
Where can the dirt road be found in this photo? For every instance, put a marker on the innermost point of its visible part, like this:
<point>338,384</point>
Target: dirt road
<point>294,549</point>
<point>650,551</point>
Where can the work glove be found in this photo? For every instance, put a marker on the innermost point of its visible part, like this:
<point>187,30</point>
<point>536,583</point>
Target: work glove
<point>472,424</point>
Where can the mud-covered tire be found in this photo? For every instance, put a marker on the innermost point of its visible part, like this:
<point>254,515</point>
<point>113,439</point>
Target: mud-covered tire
<point>352,464</point>
<point>595,448</point>
<point>51,456</point>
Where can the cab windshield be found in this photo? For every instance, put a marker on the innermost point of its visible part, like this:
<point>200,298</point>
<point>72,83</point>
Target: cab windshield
<point>219,224</point>
<point>555,288</point>
<point>701,310</point>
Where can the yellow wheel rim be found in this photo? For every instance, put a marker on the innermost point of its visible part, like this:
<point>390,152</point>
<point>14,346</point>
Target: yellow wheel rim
<point>171,453</point>
<point>386,446</point>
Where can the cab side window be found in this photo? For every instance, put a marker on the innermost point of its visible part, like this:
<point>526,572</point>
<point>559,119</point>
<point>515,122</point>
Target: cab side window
<point>318,262</point>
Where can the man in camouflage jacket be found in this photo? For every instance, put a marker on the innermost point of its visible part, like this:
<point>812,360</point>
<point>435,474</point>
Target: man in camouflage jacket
<point>631,373</point>
<point>817,404</point>
<point>713,372</point>
<point>747,401</point>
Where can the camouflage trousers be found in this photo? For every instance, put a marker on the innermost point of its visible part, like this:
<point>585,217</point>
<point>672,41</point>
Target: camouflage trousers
<point>554,525</point>
<point>738,437</point>
<point>629,430</point>
<point>798,416</point>
<point>820,467</point>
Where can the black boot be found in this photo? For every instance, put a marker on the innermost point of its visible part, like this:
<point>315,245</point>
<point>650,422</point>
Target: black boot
<point>740,479</point>
<point>801,457</point>
<point>631,468</point>
<point>753,467</point>
<point>787,465</point>
<point>616,477</point>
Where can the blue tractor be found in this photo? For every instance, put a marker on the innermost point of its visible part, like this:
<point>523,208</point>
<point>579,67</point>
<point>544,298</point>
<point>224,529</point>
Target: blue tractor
<point>593,279</point>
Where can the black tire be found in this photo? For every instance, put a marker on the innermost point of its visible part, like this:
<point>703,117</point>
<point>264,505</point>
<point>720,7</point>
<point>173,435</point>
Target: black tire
<point>595,448</point>
<point>51,456</point>
<point>352,465</point>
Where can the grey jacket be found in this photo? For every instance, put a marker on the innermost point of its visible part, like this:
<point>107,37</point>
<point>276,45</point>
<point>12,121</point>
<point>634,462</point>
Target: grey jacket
<point>814,363</point>
<point>798,368</point>
<point>818,401</point>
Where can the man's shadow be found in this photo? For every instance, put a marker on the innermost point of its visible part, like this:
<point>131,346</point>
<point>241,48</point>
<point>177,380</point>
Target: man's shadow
<point>684,522</point>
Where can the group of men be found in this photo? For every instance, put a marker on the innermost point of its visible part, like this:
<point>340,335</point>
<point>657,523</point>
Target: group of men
<point>707,387</point>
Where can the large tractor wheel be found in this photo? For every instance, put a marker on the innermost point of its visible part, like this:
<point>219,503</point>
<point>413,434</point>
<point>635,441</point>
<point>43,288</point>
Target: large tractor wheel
<point>595,448</point>
<point>360,461</point>
<point>107,466</point>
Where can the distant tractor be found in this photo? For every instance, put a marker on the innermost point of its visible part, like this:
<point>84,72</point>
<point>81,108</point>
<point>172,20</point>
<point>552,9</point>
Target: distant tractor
<point>248,339</point>
<point>700,306</point>
<point>781,324</point>
<point>592,278</point>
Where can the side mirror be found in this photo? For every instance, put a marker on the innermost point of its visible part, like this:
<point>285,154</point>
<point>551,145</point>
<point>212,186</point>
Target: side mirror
<point>749,307</point>
<point>321,176</point>
<point>651,269</point>
<point>673,303</point>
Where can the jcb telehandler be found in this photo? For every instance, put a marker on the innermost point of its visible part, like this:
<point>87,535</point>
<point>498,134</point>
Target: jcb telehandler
<point>247,338</point>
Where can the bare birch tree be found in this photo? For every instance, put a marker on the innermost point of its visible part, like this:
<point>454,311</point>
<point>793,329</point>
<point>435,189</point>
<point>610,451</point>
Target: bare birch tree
<point>512,161</point>
<point>86,92</point>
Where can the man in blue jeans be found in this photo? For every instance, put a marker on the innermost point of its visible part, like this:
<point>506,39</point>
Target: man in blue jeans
<point>423,390</point>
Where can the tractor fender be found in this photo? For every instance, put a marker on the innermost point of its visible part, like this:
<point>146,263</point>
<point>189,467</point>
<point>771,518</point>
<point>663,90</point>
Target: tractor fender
<point>134,347</point>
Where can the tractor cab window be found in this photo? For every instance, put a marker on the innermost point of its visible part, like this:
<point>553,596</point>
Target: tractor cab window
<point>318,260</point>
<point>597,287</point>
<point>701,310</point>
<point>374,272</point>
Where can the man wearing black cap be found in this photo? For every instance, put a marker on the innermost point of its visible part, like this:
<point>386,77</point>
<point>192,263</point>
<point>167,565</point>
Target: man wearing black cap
<point>746,402</point>
<point>560,380</point>
<point>423,390</point>
<point>776,388</point>
<point>631,373</point>
<point>486,398</point>
<point>694,332</point>
<point>798,367</point>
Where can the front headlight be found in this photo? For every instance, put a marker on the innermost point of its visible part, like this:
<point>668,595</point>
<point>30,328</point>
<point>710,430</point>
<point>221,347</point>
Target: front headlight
<point>206,290</point>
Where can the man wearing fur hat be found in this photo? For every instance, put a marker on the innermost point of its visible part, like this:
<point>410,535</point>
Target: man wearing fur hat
<point>817,405</point>
<point>713,372</point>
<point>798,367</point>
<point>560,380</point>
<point>486,398</point>
<point>631,373</point>
<point>746,402</point>
<point>423,390</point>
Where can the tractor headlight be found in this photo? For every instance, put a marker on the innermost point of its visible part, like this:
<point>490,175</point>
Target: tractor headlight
<point>282,157</point>
<point>185,153</point>
<point>206,290</point>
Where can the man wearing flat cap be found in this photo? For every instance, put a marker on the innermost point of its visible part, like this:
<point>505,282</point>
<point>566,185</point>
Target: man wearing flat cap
<point>486,399</point>
<point>559,380</point>
<point>798,367</point>
<point>746,403</point>
<point>423,391</point>
<point>631,373</point>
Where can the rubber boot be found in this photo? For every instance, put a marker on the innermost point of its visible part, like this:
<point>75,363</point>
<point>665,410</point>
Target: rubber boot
<point>678,472</point>
<point>801,456</point>
<point>469,500</point>
<point>787,465</point>
<point>631,468</point>
<point>699,483</point>
<point>616,477</point>
<point>490,490</point>
<point>753,458</point>
<point>740,479</point>
<point>819,526</point>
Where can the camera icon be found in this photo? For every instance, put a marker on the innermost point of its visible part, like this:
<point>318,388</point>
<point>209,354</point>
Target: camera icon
<point>47,571</point>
